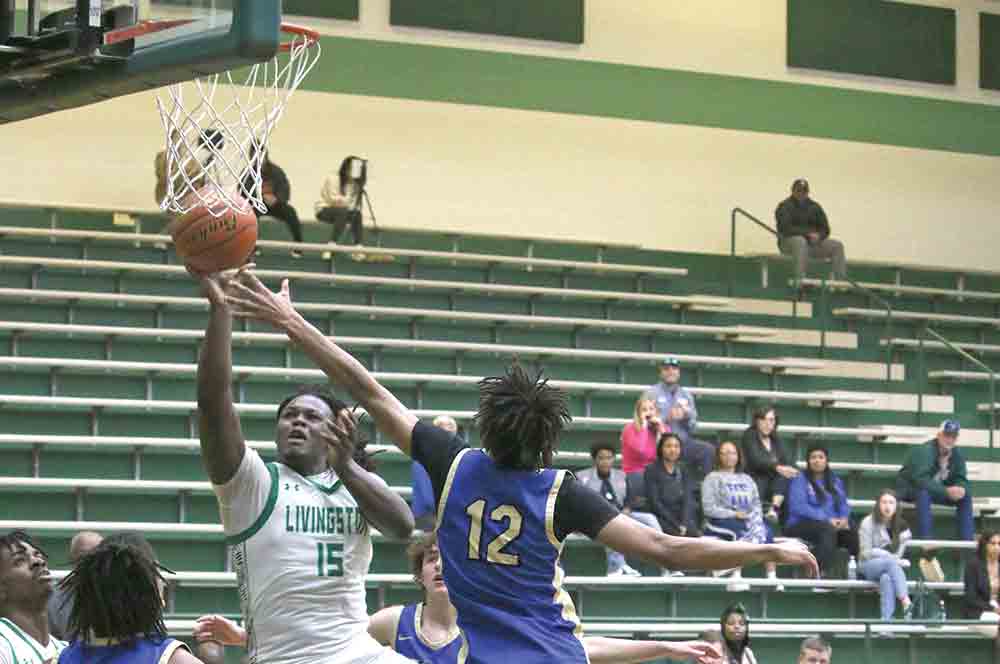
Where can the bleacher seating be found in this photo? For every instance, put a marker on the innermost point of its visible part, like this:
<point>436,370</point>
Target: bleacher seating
<point>98,412</point>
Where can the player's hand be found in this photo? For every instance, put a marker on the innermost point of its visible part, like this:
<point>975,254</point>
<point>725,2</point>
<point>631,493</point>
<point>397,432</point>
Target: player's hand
<point>701,652</point>
<point>795,553</point>
<point>788,472</point>
<point>217,628</point>
<point>249,298</point>
<point>214,285</point>
<point>340,434</point>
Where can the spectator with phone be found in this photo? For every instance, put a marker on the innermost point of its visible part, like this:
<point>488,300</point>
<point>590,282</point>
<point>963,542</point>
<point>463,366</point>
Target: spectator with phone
<point>639,437</point>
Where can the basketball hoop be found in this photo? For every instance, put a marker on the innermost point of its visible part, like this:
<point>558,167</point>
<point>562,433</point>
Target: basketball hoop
<point>218,129</point>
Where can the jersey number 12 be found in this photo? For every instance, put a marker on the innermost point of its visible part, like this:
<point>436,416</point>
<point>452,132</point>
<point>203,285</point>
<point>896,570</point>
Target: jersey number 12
<point>494,550</point>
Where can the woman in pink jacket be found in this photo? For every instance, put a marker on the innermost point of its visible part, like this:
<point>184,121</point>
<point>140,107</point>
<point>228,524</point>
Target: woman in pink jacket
<point>639,436</point>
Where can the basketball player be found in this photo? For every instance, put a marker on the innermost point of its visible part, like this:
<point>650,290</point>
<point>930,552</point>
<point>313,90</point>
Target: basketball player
<point>25,586</point>
<point>428,633</point>
<point>503,514</point>
<point>299,529</point>
<point>117,615</point>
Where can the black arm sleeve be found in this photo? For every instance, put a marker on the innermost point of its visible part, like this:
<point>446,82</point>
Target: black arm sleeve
<point>781,218</point>
<point>435,449</point>
<point>822,222</point>
<point>580,510</point>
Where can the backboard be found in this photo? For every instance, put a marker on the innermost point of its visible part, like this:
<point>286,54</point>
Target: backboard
<point>58,54</point>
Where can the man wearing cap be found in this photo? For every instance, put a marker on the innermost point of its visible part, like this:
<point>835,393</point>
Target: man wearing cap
<point>678,411</point>
<point>804,232</point>
<point>935,473</point>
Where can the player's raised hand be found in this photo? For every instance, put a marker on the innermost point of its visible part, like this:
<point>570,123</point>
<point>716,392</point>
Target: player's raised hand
<point>249,298</point>
<point>340,434</point>
<point>701,652</point>
<point>222,630</point>
<point>214,285</point>
<point>796,553</point>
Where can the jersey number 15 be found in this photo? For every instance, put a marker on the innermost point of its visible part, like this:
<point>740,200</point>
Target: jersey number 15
<point>329,559</point>
<point>494,550</point>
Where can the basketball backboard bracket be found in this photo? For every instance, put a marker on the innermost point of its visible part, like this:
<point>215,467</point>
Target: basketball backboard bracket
<point>57,55</point>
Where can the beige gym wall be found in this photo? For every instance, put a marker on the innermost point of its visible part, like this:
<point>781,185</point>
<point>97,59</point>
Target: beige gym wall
<point>492,170</point>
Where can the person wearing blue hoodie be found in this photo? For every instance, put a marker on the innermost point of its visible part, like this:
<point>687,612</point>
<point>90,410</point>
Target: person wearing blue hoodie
<point>818,511</point>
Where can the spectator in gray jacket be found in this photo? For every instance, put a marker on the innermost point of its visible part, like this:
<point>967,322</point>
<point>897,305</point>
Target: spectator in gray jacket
<point>679,413</point>
<point>609,481</point>
<point>732,506</point>
<point>804,232</point>
<point>881,536</point>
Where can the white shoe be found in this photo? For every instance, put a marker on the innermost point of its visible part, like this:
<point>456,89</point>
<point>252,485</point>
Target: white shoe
<point>724,572</point>
<point>630,571</point>
<point>617,572</point>
<point>677,573</point>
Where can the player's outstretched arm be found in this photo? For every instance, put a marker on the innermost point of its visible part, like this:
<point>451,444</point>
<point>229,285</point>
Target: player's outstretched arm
<point>604,650</point>
<point>222,444</point>
<point>630,537</point>
<point>251,299</point>
<point>382,507</point>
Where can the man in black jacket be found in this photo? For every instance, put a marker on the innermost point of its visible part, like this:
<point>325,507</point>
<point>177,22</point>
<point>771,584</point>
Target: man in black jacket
<point>804,232</point>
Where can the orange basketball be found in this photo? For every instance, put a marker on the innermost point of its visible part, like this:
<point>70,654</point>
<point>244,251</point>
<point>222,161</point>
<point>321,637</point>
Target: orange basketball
<point>214,242</point>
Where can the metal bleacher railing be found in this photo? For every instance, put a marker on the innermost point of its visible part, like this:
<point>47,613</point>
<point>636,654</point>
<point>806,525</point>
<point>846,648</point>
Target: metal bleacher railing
<point>923,330</point>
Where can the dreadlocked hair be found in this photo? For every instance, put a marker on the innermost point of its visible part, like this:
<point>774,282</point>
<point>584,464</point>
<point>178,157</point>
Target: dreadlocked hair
<point>116,594</point>
<point>361,456</point>
<point>520,418</point>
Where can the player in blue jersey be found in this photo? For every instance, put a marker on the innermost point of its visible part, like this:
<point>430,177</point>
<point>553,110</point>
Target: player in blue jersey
<point>503,513</point>
<point>117,615</point>
<point>427,632</point>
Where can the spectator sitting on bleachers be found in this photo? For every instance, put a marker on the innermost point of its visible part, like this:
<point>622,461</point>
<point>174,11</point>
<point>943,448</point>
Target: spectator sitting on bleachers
<point>881,536</point>
<point>817,509</point>
<point>804,232</point>
<point>276,192</point>
<point>735,626</point>
<point>610,482</point>
<point>678,411</point>
<point>815,650</point>
<point>669,488</point>
<point>732,506</point>
<point>935,472</point>
<point>982,585</point>
<point>640,435</point>
<point>766,461</point>
<point>422,501</point>
<point>340,204</point>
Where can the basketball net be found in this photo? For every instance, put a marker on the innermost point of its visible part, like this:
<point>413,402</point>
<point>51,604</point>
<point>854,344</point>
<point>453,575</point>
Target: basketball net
<point>218,129</point>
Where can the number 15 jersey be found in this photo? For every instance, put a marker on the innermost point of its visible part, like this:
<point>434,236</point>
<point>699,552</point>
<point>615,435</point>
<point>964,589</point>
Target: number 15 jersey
<point>300,548</point>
